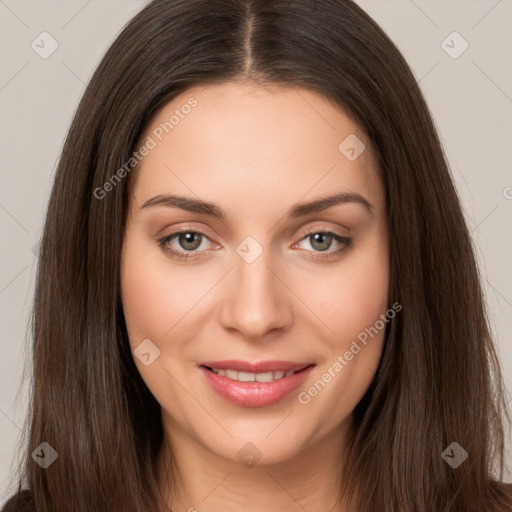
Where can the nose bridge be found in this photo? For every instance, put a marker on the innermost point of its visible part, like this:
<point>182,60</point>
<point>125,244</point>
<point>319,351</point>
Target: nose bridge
<point>256,301</point>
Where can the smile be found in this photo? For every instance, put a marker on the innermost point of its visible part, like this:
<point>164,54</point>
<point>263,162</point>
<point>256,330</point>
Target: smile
<point>256,388</point>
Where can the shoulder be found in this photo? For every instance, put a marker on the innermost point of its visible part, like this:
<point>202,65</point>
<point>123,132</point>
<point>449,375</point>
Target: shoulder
<point>20,502</point>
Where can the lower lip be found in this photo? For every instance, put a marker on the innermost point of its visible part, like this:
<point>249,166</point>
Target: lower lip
<point>255,394</point>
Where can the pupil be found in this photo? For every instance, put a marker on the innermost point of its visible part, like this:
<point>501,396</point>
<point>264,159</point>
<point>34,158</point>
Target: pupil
<point>324,239</point>
<point>189,238</point>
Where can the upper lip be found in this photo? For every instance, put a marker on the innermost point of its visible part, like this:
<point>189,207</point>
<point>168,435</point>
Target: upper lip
<point>256,366</point>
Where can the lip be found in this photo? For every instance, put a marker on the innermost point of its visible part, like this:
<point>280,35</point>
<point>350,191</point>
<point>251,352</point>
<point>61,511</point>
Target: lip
<point>255,367</point>
<point>256,394</point>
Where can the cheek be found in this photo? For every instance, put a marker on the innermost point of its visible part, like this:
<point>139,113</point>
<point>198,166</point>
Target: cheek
<point>353,311</point>
<point>351,305</point>
<point>152,307</point>
<point>147,300</point>
<point>155,296</point>
<point>364,296</point>
<point>353,296</point>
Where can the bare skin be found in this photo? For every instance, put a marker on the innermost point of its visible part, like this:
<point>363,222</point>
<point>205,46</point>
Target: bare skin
<point>256,152</point>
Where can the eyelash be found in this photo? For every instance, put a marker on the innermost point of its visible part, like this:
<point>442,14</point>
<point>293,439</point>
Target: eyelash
<point>318,255</point>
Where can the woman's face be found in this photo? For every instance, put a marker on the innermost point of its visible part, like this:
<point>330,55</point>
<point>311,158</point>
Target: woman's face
<point>266,278</point>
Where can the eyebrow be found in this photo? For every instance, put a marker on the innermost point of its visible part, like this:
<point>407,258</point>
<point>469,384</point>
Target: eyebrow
<point>202,207</point>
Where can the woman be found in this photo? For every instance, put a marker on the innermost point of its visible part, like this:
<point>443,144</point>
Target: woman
<point>256,289</point>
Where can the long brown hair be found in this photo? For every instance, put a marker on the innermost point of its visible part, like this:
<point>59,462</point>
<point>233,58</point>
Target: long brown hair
<point>439,379</point>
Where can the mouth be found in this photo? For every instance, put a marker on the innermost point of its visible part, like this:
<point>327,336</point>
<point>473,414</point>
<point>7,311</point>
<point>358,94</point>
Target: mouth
<point>267,383</point>
<point>241,376</point>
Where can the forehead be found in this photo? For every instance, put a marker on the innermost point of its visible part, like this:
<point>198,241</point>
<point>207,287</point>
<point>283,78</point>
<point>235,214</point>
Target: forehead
<point>245,141</point>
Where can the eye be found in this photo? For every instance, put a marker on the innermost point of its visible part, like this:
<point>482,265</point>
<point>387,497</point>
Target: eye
<point>322,241</point>
<point>188,244</point>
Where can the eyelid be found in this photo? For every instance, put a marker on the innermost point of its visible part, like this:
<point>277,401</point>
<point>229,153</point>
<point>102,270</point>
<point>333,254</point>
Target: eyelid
<point>302,233</point>
<point>188,228</point>
<point>319,229</point>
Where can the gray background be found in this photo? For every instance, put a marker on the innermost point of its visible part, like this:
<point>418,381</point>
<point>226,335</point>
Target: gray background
<point>470,98</point>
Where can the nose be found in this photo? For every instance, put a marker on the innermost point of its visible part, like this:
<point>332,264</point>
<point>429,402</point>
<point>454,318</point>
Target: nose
<point>257,300</point>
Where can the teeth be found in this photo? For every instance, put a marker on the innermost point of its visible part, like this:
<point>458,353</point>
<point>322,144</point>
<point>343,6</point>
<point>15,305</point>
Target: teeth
<point>232,374</point>
<point>253,377</point>
<point>268,376</point>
